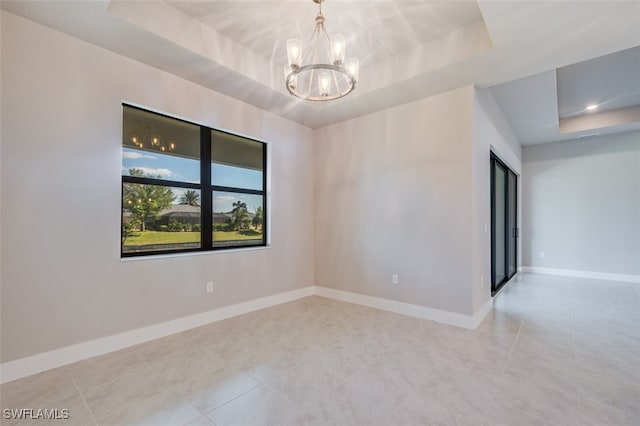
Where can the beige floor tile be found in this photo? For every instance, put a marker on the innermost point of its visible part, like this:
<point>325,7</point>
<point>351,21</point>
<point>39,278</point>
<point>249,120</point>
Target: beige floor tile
<point>104,400</point>
<point>163,408</point>
<point>607,387</point>
<point>439,408</point>
<point>526,368</point>
<point>506,415</point>
<point>483,356</point>
<point>352,404</point>
<point>200,421</point>
<point>339,360</point>
<point>168,347</point>
<point>37,391</point>
<point>216,388</point>
<point>261,406</point>
<point>622,361</point>
<point>475,387</point>
<point>548,405</point>
<point>188,363</point>
<point>554,350</point>
<point>103,369</point>
<point>300,381</point>
<point>597,413</point>
<point>544,349</point>
<point>545,326</point>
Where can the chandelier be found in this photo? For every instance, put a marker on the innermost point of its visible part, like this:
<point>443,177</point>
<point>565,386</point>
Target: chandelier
<point>154,143</point>
<point>321,74</point>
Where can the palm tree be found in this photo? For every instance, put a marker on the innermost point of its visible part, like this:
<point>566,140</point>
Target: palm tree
<point>190,197</point>
<point>240,215</point>
<point>257,218</point>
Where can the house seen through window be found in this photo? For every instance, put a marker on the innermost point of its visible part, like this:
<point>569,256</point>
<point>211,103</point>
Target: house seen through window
<point>187,187</point>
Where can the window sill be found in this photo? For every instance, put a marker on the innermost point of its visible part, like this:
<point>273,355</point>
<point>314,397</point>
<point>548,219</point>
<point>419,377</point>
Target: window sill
<point>192,253</point>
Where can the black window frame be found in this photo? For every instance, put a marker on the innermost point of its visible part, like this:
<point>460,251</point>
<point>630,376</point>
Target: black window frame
<point>206,188</point>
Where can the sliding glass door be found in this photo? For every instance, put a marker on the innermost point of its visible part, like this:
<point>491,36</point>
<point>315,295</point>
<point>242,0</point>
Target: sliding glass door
<point>504,223</point>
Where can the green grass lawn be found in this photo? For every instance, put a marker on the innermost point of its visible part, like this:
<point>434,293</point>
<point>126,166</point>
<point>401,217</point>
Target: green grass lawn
<point>235,235</point>
<point>160,237</point>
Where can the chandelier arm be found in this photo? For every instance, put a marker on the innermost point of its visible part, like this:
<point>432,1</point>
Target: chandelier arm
<point>335,80</point>
<point>326,36</point>
<point>315,57</point>
<point>333,72</point>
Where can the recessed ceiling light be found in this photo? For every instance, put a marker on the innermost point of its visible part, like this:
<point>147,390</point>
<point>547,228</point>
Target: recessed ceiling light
<point>592,107</point>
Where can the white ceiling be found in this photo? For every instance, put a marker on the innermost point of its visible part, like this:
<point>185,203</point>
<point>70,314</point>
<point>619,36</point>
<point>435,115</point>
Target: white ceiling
<point>610,81</point>
<point>552,105</point>
<point>408,49</point>
<point>375,30</point>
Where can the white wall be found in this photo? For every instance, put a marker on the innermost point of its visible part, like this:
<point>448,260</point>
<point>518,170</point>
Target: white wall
<point>62,278</point>
<point>491,132</point>
<point>581,204</point>
<point>393,196</point>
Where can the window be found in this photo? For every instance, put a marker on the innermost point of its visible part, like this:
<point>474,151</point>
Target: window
<point>187,187</point>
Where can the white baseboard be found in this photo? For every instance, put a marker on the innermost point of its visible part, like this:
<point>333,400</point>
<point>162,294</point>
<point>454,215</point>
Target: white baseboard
<point>482,313</point>
<point>16,369</point>
<point>23,367</point>
<point>582,274</point>
<point>451,318</point>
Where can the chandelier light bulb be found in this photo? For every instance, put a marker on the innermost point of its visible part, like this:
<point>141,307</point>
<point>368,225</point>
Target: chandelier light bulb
<point>294,52</point>
<point>353,66</point>
<point>324,83</point>
<point>338,44</point>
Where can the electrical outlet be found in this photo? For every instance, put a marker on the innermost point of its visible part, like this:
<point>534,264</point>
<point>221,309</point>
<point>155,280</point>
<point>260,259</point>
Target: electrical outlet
<point>481,282</point>
<point>486,228</point>
<point>210,287</point>
<point>394,279</point>
<point>541,255</point>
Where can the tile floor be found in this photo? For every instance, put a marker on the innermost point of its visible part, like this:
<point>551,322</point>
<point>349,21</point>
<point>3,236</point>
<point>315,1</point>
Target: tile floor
<point>554,351</point>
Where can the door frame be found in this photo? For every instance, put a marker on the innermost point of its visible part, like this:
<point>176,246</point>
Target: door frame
<point>509,231</point>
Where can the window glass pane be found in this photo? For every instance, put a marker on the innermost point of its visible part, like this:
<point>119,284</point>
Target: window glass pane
<point>500,223</point>
<point>158,218</point>
<point>236,161</point>
<point>238,219</point>
<point>159,147</point>
<point>236,151</point>
<point>236,177</point>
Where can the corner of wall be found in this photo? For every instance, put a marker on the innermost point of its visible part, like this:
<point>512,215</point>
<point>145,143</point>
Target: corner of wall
<point>491,133</point>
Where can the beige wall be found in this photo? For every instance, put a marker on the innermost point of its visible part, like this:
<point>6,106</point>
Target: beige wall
<point>406,191</point>
<point>393,196</point>
<point>62,278</point>
<point>582,204</point>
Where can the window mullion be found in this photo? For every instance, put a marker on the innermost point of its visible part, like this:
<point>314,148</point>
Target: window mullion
<point>205,178</point>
